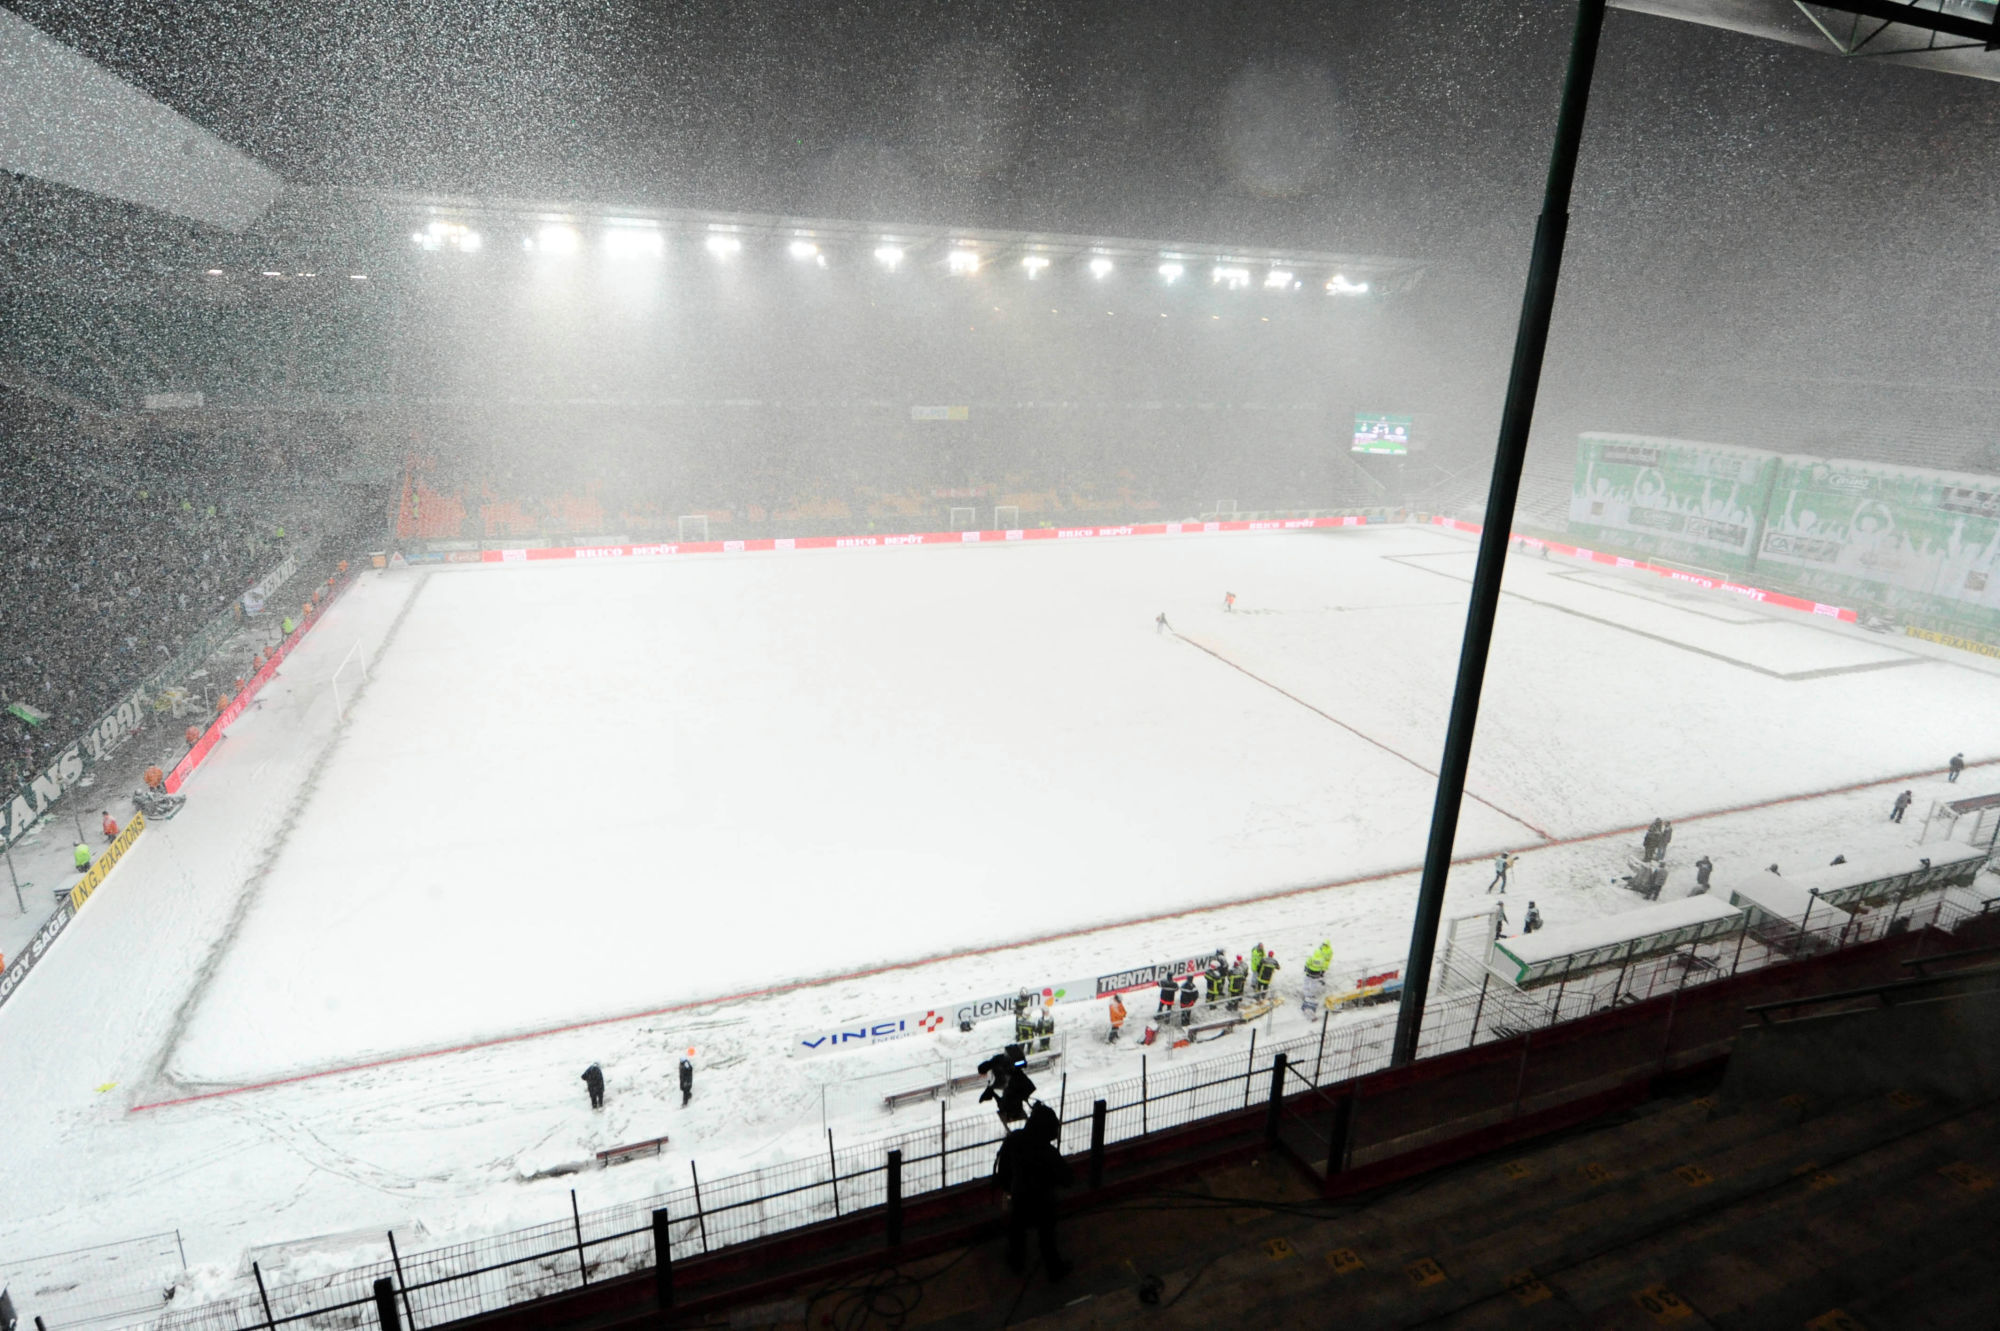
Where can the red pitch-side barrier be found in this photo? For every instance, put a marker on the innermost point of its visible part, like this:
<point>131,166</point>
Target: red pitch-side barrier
<point>909,538</point>
<point>212,736</point>
<point>1678,575</point>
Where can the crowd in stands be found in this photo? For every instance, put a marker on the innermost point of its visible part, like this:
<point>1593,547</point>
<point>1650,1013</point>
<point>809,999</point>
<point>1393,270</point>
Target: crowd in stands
<point>110,558</point>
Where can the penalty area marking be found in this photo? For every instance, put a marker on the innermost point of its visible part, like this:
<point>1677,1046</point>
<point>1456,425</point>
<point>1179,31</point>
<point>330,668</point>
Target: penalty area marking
<point>772,991</point>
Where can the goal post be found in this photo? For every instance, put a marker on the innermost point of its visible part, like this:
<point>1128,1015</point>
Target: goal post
<point>963,519</point>
<point>1006,517</point>
<point>694,527</point>
<point>352,672</point>
<point>1468,943</point>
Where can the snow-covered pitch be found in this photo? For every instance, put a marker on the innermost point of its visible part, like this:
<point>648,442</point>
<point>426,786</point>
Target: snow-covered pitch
<point>575,792</point>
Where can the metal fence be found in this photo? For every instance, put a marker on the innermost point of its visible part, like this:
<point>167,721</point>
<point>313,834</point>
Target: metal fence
<point>484,1275</point>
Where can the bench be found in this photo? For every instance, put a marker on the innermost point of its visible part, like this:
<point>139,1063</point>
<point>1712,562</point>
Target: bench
<point>618,1155</point>
<point>895,1100</point>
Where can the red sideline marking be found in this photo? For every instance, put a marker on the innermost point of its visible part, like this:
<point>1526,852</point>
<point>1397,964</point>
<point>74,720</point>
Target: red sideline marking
<point>903,538</point>
<point>1396,753</point>
<point>771,990</point>
<point>1665,571</point>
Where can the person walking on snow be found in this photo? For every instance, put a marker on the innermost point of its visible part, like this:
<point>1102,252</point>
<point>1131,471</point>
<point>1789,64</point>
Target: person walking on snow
<point>1229,601</point>
<point>1117,1017</point>
<point>1650,843</point>
<point>1500,921</point>
<point>1703,867</point>
<point>110,827</point>
<point>593,1080</point>
<point>1900,807</point>
<point>1317,966</point>
<point>687,1078</point>
<point>1957,766</point>
<point>1666,838</point>
<point>1160,625</point>
<point>1532,920</point>
<point>1501,864</point>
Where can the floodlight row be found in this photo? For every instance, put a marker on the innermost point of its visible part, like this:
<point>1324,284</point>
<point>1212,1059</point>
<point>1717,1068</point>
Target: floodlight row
<point>639,240</point>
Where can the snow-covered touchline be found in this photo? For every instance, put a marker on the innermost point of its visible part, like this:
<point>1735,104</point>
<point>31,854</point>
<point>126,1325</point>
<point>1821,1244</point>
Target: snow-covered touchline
<point>247,894</point>
<point>772,991</point>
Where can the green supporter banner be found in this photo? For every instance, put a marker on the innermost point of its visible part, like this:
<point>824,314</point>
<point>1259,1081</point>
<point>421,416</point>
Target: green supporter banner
<point>1694,502</point>
<point>1920,543</point>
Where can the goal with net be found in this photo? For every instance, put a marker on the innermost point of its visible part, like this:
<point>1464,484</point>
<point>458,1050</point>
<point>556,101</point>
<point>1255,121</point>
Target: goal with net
<point>963,519</point>
<point>1006,517</point>
<point>694,527</point>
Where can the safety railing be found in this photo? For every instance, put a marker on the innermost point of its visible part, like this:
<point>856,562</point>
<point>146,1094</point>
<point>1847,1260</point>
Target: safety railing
<point>427,1288</point>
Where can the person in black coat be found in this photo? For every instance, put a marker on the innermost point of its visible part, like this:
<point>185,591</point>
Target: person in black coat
<point>687,1078</point>
<point>1169,991</point>
<point>593,1080</point>
<point>1957,766</point>
<point>1029,1168</point>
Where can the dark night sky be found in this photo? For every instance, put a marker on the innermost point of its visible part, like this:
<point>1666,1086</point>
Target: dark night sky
<point>1743,207</point>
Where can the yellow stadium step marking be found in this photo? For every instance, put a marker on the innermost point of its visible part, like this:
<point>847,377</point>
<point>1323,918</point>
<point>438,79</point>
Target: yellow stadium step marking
<point>1345,1261</point>
<point>1424,1272</point>
<point>1662,1304</point>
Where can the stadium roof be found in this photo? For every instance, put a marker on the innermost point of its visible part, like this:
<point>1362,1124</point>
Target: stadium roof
<point>1947,36</point>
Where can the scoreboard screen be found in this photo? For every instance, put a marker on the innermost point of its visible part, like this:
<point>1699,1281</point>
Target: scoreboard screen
<point>1375,433</point>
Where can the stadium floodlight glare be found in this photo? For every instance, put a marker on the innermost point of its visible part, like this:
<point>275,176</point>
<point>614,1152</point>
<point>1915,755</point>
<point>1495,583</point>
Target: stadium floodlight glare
<point>1233,278</point>
<point>1340,286</point>
<point>1034,263</point>
<point>1277,277</point>
<point>1171,271</point>
<point>1100,266</point>
<point>722,245</point>
<point>558,238</point>
<point>634,242</point>
<point>803,249</point>
<point>358,277</point>
<point>962,261</point>
<point>446,236</point>
<point>889,255</point>
<point>215,272</point>
<point>272,272</point>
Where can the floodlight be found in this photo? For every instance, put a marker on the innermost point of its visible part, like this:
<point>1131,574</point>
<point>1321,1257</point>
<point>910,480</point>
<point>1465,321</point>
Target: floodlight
<point>358,277</point>
<point>889,255</point>
<point>1171,271</point>
<point>446,236</point>
<point>633,242</point>
<point>1034,263</point>
<point>215,272</point>
<point>1100,266</point>
<point>558,238</point>
<point>803,249</point>
<point>272,272</point>
<point>1277,277</point>
<point>1340,286</point>
<point>1234,278</point>
<point>721,244</point>
<point>963,261</point>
